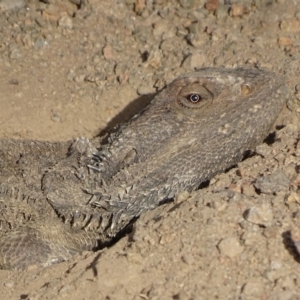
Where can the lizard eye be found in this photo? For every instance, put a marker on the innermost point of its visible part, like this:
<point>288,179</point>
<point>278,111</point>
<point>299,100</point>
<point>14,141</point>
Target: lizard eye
<point>194,98</point>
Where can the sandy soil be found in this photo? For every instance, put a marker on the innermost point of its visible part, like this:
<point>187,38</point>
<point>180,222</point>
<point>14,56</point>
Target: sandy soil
<point>77,68</point>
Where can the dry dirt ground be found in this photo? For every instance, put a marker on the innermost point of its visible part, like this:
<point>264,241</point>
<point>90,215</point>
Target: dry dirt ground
<point>77,68</point>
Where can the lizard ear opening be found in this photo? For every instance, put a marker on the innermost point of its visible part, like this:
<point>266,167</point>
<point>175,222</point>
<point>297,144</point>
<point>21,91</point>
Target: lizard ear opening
<point>246,89</point>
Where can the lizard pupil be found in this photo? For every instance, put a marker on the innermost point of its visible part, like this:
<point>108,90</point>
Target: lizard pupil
<point>194,98</point>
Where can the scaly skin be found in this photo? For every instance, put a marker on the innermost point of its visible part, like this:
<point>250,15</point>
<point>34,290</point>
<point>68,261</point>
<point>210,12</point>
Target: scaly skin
<point>200,125</point>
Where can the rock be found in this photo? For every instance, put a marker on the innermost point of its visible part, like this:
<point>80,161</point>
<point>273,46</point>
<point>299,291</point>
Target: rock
<point>260,215</point>
<point>284,295</point>
<point>186,3</point>
<point>11,5</point>
<point>154,59</point>
<point>211,5</point>
<point>254,288</point>
<point>273,183</point>
<point>108,52</point>
<point>15,53</point>
<point>236,10</point>
<point>77,2</point>
<point>139,6</point>
<point>160,27</point>
<point>285,41</point>
<point>188,259</point>
<point>264,150</point>
<point>65,21</point>
<point>290,25</point>
<point>295,238</point>
<point>195,60</point>
<point>145,90</point>
<point>197,39</point>
<point>230,247</point>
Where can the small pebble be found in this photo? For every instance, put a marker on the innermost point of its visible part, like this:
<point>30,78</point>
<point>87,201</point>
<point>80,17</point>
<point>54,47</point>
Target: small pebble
<point>236,10</point>
<point>295,237</point>
<point>211,5</point>
<point>15,53</point>
<point>230,247</point>
<point>195,60</point>
<point>285,41</point>
<point>11,5</point>
<point>260,215</point>
<point>283,295</point>
<point>264,150</point>
<point>66,21</point>
<point>290,25</point>
<point>145,90</point>
<point>273,183</point>
<point>186,3</point>
<point>254,288</point>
